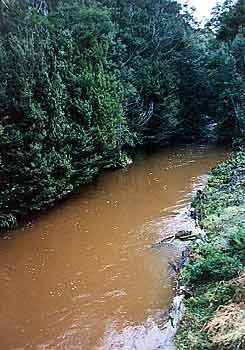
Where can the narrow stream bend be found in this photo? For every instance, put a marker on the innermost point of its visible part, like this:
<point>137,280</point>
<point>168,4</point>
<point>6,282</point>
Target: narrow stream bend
<point>83,275</point>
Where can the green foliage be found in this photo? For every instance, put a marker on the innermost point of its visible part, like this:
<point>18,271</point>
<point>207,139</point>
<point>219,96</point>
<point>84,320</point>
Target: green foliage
<point>228,19</point>
<point>237,238</point>
<point>225,189</point>
<point>160,64</point>
<point>61,108</point>
<point>211,264</point>
<point>7,221</point>
<point>216,268</point>
<point>228,90</point>
<point>226,67</point>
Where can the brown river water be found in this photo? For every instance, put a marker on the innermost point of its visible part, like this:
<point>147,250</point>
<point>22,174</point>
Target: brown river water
<point>83,276</point>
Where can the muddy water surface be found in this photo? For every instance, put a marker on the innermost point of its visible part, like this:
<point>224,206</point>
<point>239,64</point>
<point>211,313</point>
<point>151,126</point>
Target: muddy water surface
<point>84,275</point>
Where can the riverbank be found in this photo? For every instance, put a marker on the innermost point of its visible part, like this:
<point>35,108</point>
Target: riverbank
<point>214,316</point>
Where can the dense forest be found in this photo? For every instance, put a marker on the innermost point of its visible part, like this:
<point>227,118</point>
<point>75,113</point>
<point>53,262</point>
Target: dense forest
<point>85,83</point>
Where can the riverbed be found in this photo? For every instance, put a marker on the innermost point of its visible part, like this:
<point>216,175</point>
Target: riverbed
<point>84,275</point>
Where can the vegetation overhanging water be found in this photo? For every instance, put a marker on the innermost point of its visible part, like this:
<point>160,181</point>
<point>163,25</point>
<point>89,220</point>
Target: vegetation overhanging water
<point>83,85</point>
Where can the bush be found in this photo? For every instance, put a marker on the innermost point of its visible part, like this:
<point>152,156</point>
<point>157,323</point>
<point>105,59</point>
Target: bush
<point>237,238</point>
<point>211,264</point>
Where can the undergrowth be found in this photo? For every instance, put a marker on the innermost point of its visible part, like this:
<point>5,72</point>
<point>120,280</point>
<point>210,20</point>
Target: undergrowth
<point>214,316</point>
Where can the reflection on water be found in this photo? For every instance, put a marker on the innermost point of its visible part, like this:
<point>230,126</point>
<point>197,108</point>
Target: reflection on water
<point>83,276</point>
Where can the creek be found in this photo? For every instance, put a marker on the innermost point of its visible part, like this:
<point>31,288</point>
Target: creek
<point>83,275</point>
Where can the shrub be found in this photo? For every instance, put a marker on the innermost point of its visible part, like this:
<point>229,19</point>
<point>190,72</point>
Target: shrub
<point>211,264</point>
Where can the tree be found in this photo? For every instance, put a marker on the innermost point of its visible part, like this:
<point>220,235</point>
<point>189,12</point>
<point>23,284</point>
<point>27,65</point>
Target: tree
<point>228,19</point>
<point>62,117</point>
